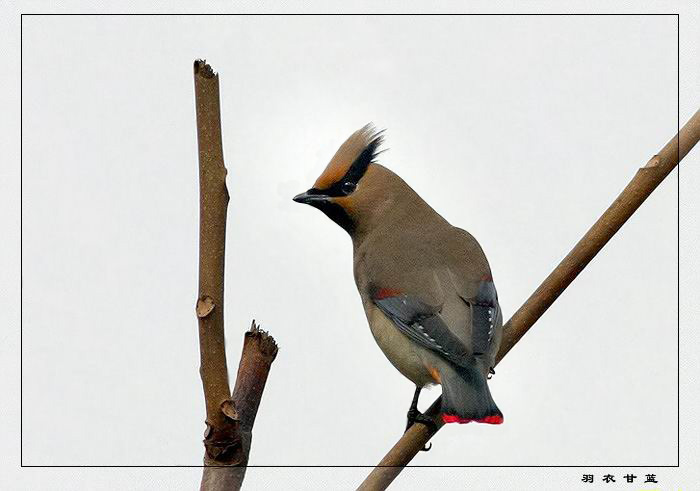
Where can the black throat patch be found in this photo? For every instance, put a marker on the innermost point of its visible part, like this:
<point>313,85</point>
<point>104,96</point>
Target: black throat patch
<point>336,213</point>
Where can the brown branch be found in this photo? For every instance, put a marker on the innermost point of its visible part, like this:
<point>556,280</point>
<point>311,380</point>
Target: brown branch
<point>229,417</point>
<point>259,351</point>
<point>640,187</point>
<point>213,203</point>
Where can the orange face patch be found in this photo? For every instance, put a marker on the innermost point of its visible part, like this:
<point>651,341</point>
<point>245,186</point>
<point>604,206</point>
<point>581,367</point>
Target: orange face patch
<point>334,171</point>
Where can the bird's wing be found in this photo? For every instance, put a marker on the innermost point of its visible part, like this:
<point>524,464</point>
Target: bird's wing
<point>472,281</point>
<point>486,315</point>
<point>422,323</point>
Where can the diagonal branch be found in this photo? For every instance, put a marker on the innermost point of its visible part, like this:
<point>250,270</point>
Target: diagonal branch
<point>640,187</point>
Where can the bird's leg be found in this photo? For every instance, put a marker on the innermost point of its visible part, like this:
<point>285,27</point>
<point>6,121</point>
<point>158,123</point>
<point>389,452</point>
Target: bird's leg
<point>415,416</point>
<point>413,412</point>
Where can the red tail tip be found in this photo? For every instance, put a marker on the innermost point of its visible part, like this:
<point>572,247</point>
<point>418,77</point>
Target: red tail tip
<point>494,419</point>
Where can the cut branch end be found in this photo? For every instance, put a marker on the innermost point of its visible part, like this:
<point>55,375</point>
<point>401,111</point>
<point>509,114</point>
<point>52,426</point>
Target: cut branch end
<point>268,345</point>
<point>204,69</point>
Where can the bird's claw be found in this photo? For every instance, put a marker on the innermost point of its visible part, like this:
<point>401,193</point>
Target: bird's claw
<point>415,416</point>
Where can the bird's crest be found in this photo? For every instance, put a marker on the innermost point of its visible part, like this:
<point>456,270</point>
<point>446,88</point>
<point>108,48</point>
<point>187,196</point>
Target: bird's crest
<point>353,156</point>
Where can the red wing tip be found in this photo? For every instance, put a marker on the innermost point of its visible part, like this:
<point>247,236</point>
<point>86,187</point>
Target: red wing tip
<point>495,419</point>
<point>383,293</point>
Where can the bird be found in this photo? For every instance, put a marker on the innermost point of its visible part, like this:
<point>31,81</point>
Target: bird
<point>425,285</point>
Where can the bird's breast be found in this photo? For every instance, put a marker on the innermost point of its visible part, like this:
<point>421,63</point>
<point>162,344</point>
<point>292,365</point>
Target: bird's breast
<point>407,357</point>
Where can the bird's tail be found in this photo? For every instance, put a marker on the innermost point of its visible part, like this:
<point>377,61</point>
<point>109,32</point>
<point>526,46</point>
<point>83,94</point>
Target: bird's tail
<point>466,396</point>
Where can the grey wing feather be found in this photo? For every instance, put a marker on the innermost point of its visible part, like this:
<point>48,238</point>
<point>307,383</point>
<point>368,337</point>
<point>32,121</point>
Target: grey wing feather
<point>486,314</point>
<point>423,324</point>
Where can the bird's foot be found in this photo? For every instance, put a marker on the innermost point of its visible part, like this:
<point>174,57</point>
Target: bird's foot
<point>415,416</point>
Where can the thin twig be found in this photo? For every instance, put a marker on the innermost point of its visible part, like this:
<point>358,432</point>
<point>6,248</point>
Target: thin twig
<point>640,187</point>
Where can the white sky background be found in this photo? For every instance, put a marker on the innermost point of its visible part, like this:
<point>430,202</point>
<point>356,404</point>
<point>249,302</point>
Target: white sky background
<point>520,129</point>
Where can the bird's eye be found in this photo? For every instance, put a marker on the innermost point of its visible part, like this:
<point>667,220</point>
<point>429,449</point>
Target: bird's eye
<point>348,187</point>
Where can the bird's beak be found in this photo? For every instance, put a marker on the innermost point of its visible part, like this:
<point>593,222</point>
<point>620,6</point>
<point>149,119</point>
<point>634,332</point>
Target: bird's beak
<point>309,197</point>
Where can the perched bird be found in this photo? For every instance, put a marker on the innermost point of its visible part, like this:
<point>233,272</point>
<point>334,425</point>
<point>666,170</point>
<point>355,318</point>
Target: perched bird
<point>425,285</point>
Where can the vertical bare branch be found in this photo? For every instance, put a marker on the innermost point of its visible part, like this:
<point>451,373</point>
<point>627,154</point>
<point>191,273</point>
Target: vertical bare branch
<point>259,351</point>
<point>230,417</point>
<point>640,187</point>
<point>220,438</point>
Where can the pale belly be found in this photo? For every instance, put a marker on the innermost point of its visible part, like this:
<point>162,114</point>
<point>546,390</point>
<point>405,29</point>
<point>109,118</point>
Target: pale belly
<point>409,359</point>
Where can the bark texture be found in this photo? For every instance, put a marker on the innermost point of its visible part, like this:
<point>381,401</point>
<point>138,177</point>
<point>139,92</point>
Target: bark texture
<point>630,199</point>
<point>229,417</point>
<point>220,438</point>
<point>259,351</point>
